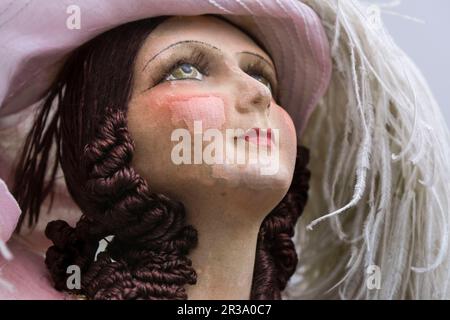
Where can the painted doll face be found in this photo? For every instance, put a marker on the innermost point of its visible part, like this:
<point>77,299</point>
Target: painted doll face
<point>204,118</point>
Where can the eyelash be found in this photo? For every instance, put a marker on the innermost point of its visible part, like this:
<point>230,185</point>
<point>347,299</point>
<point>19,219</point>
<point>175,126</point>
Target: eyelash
<point>259,68</point>
<point>199,60</point>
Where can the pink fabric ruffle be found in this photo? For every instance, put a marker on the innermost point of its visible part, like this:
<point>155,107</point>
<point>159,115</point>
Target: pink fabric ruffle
<point>9,216</point>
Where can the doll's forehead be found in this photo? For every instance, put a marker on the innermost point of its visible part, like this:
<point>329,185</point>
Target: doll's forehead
<point>209,30</point>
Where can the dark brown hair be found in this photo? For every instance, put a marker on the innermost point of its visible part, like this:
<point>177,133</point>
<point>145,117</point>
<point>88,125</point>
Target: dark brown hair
<point>87,132</point>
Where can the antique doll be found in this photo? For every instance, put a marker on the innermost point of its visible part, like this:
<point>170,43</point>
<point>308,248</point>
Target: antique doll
<point>88,120</point>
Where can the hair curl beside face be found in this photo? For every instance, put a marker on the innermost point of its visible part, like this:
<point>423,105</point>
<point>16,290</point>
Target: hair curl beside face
<point>147,257</point>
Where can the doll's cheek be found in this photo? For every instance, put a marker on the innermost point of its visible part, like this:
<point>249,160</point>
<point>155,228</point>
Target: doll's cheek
<point>182,110</point>
<point>208,110</point>
<point>281,120</point>
<point>287,121</point>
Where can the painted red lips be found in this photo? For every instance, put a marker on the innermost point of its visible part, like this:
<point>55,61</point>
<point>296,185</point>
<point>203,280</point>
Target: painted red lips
<point>260,137</point>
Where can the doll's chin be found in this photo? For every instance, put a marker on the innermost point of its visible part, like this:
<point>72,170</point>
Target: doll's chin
<point>253,176</point>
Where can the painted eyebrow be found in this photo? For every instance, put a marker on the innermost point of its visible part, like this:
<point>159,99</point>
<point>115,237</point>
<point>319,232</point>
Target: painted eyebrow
<point>205,44</point>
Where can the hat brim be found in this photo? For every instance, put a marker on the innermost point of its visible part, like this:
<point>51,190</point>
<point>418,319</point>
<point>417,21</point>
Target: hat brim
<point>37,40</point>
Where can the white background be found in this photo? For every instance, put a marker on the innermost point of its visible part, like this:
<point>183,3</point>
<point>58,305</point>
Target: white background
<point>428,44</point>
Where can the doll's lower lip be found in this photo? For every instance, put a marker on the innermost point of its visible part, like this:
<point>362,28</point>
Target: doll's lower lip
<point>258,136</point>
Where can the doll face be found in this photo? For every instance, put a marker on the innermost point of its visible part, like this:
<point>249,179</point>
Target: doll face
<point>203,115</point>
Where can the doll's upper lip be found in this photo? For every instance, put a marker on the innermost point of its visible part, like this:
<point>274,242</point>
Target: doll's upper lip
<point>256,132</point>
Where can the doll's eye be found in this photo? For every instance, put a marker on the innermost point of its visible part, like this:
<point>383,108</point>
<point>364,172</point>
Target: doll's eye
<point>260,72</point>
<point>263,80</point>
<point>183,72</point>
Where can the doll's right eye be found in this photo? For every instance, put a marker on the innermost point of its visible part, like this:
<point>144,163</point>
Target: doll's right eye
<point>184,71</point>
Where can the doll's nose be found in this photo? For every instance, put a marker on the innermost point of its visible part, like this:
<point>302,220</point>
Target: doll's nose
<point>252,95</point>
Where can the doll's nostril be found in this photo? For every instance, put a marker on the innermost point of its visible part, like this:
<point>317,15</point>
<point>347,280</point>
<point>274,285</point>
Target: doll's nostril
<point>257,100</point>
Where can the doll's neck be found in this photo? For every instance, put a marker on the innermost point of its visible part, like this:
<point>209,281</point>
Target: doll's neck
<point>225,255</point>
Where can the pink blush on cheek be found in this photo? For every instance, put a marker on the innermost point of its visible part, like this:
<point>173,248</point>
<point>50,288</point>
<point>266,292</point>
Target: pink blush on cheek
<point>208,109</point>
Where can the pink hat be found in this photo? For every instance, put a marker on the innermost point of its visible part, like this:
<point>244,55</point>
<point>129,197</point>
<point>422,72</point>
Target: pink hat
<point>36,39</point>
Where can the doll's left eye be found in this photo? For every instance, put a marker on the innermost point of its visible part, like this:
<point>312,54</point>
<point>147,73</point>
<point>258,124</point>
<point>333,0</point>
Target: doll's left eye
<point>183,72</point>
